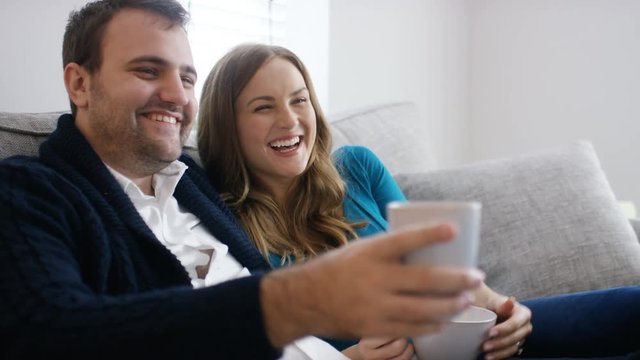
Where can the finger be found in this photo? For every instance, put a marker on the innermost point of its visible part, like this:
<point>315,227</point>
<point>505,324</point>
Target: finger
<point>521,316</point>
<point>503,353</point>
<point>514,339</point>
<point>398,243</point>
<point>434,280</point>
<point>424,308</point>
<point>406,354</point>
<point>506,308</point>
<point>376,342</point>
<point>391,349</point>
<point>402,329</point>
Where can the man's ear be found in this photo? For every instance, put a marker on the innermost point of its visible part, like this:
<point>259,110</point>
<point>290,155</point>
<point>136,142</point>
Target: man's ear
<point>76,80</point>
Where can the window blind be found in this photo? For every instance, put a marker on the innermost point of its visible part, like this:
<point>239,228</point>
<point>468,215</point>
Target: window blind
<point>218,25</point>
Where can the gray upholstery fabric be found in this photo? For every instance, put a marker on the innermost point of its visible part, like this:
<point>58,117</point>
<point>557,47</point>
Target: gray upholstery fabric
<point>22,133</point>
<point>635,223</point>
<point>550,222</point>
<point>393,131</point>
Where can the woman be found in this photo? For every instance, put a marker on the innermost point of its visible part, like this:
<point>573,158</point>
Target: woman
<point>266,146</point>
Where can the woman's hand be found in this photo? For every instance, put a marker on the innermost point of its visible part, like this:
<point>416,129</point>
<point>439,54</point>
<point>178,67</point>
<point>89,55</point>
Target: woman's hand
<point>513,326</point>
<point>380,349</point>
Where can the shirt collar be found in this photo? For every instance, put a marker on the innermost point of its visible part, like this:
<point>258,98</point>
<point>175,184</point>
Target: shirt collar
<point>164,182</point>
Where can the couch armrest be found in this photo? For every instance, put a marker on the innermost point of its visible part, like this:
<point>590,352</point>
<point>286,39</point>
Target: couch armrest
<point>635,224</point>
<point>550,221</point>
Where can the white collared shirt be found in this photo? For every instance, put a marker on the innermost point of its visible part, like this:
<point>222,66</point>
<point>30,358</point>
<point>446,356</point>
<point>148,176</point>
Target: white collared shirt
<point>183,234</point>
<point>179,230</point>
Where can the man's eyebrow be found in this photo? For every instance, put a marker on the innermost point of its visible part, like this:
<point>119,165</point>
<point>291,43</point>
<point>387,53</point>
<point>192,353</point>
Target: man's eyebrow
<point>161,62</point>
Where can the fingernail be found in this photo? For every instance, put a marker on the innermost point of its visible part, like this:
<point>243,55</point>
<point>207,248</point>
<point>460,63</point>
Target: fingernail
<point>475,276</point>
<point>489,357</point>
<point>493,333</point>
<point>466,299</point>
<point>446,230</point>
<point>488,347</point>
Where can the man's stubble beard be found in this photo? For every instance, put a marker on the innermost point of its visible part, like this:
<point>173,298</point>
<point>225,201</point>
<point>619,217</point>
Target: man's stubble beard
<point>125,146</point>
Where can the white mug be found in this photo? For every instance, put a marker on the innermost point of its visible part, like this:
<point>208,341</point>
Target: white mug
<point>461,339</point>
<point>462,251</point>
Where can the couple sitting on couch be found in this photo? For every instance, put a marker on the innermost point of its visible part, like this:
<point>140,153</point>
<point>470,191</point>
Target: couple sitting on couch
<point>87,225</point>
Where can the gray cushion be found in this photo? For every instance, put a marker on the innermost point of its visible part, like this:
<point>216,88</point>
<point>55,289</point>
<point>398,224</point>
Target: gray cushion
<point>386,130</point>
<point>635,223</point>
<point>22,133</point>
<point>550,224</point>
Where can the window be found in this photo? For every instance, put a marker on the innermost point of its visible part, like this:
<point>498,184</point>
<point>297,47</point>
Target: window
<point>218,25</point>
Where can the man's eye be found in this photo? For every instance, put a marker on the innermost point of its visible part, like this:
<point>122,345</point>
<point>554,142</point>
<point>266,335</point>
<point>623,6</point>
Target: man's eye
<point>188,80</point>
<point>147,71</point>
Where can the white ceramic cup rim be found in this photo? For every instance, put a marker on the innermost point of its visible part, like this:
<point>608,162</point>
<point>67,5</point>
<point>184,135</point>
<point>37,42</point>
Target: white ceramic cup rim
<point>488,316</point>
<point>441,204</point>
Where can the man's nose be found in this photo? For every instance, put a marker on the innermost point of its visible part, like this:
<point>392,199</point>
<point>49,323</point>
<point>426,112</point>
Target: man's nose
<point>173,91</point>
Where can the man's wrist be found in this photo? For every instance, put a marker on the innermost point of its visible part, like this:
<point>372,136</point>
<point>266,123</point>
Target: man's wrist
<point>282,301</point>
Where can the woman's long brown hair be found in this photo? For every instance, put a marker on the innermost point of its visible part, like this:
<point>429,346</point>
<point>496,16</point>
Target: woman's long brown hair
<point>312,219</point>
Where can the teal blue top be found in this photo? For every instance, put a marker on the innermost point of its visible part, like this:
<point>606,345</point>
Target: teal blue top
<point>369,188</point>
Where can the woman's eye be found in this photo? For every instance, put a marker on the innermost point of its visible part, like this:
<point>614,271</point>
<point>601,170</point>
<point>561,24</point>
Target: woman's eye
<point>262,108</point>
<point>300,100</point>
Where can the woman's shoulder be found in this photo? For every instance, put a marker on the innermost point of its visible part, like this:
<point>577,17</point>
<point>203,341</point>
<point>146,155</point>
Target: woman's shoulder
<point>354,152</point>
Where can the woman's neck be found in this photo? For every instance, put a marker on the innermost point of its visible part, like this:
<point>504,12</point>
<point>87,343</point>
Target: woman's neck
<point>278,189</point>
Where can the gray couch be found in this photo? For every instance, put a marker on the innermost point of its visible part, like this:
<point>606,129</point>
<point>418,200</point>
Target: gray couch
<point>551,223</point>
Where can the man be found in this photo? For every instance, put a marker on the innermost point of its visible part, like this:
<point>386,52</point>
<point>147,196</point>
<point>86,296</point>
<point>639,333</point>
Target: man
<point>104,236</point>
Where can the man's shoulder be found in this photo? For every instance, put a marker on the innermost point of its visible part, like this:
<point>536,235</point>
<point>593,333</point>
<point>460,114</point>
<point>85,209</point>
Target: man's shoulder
<point>26,171</point>
<point>194,170</point>
<point>23,163</point>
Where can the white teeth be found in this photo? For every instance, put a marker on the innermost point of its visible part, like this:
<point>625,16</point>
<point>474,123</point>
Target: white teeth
<point>163,118</point>
<point>283,143</point>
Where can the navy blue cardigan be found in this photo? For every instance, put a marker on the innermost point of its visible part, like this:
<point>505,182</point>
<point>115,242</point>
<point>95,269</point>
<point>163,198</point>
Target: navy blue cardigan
<point>82,276</point>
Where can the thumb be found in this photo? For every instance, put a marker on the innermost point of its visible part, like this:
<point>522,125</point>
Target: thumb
<point>505,309</point>
<point>396,244</point>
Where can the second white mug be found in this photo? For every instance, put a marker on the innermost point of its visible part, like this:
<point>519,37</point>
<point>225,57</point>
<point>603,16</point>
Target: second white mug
<point>462,251</point>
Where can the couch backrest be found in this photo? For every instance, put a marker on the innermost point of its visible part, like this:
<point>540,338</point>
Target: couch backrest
<point>393,131</point>
<point>22,133</point>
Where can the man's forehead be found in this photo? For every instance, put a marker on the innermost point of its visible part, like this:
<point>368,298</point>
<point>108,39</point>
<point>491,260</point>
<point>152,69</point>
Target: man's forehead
<point>134,33</point>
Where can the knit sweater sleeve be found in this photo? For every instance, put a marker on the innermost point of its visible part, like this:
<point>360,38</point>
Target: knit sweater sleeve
<point>62,292</point>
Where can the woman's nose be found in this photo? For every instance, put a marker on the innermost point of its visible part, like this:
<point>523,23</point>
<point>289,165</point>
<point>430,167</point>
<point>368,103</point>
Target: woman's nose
<point>287,118</point>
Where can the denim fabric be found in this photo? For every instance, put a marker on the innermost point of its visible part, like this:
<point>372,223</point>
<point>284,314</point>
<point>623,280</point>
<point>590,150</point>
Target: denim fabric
<point>597,323</point>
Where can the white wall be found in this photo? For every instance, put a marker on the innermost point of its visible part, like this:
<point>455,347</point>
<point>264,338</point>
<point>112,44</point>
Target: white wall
<point>546,72</point>
<point>31,80</point>
<point>490,77</point>
<point>417,50</point>
<point>31,61</point>
<point>308,37</point>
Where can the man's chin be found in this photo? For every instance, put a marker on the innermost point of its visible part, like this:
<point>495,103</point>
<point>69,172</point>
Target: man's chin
<point>170,157</point>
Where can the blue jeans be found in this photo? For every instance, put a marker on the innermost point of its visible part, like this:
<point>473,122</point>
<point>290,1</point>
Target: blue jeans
<point>600,323</point>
